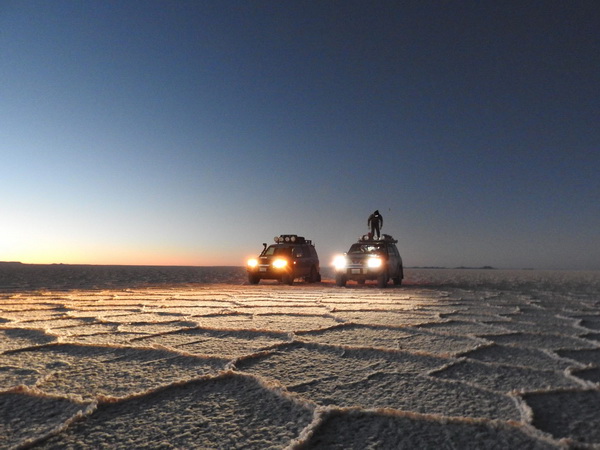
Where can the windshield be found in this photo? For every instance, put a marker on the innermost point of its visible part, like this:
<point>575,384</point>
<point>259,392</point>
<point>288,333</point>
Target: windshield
<point>276,250</point>
<point>366,249</point>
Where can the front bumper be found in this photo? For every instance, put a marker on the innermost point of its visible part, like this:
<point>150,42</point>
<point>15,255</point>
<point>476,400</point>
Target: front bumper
<point>359,272</point>
<point>268,272</point>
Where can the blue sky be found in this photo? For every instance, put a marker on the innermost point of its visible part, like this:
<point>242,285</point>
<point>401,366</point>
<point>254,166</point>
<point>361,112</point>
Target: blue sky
<point>188,133</point>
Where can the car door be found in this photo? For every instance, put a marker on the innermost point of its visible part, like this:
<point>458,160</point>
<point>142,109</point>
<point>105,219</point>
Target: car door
<point>394,261</point>
<point>301,258</point>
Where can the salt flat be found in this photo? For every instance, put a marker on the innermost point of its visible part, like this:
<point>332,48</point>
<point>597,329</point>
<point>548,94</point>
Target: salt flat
<point>195,357</point>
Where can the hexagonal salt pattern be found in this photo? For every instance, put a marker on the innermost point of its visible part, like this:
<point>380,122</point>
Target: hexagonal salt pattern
<point>462,359</point>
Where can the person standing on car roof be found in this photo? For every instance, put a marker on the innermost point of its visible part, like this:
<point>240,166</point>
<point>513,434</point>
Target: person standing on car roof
<point>376,223</point>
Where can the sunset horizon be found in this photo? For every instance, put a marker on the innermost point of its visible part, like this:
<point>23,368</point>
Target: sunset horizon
<point>191,133</point>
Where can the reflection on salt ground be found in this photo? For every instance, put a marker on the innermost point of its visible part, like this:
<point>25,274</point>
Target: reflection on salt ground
<point>471,358</point>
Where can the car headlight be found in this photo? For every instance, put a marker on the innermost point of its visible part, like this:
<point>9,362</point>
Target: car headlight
<point>252,262</point>
<point>279,263</point>
<point>339,262</point>
<point>374,263</point>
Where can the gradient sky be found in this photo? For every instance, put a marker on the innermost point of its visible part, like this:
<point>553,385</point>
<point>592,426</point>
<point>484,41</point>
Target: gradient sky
<point>188,133</point>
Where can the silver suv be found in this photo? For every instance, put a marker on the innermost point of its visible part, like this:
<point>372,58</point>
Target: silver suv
<point>370,259</point>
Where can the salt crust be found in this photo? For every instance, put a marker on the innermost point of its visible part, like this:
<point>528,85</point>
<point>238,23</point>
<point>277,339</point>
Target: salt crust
<point>464,359</point>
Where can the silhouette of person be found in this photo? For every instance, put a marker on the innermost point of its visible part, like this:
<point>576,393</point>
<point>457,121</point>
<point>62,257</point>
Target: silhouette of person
<point>376,223</point>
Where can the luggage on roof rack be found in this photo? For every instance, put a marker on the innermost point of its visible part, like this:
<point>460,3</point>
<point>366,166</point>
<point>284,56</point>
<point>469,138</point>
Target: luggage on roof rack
<point>291,239</point>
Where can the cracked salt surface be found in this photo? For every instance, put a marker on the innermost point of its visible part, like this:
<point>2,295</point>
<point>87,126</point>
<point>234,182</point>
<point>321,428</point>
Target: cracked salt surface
<point>194,357</point>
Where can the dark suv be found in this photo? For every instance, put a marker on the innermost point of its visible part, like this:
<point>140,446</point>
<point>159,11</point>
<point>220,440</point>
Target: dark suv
<point>289,258</point>
<point>370,259</point>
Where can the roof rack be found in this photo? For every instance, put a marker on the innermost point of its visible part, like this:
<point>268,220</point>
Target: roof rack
<point>291,239</point>
<point>383,238</point>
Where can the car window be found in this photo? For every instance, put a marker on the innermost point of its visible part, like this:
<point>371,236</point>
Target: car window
<point>367,248</point>
<point>277,250</point>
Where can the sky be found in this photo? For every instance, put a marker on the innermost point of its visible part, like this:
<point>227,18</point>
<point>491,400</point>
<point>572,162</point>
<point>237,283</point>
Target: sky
<point>190,132</point>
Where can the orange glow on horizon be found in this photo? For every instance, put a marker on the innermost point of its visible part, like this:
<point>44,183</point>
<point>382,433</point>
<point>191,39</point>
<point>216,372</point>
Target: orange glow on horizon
<point>130,258</point>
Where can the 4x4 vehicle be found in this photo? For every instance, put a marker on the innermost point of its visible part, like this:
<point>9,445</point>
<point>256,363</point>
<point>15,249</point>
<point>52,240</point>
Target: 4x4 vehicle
<point>370,259</point>
<point>289,258</point>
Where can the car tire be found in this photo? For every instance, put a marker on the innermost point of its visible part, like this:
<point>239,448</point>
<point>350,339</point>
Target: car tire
<point>398,278</point>
<point>253,279</point>
<point>382,280</point>
<point>287,279</point>
<point>313,277</point>
<point>340,280</point>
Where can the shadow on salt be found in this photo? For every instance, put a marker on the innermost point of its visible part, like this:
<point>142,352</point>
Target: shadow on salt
<point>221,412</point>
<point>87,372</point>
<point>395,338</point>
<point>15,338</point>
<point>220,343</point>
<point>331,375</point>
<point>358,429</point>
<point>34,417</point>
<point>569,414</point>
